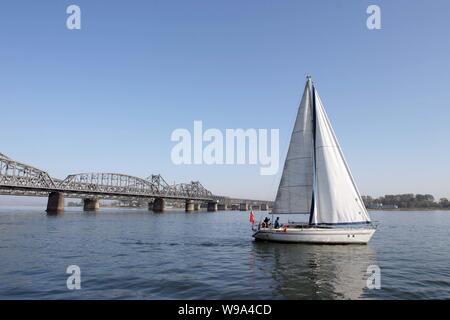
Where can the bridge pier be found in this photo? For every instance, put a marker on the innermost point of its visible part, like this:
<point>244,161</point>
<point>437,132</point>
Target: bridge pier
<point>150,206</point>
<point>189,206</point>
<point>158,205</point>
<point>196,206</point>
<point>55,202</point>
<point>212,206</point>
<point>91,204</point>
<point>264,207</point>
<point>221,206</point>
<point>243,207</point>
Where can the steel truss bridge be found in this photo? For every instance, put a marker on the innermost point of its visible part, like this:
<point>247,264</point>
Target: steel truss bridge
<point>20,179</point>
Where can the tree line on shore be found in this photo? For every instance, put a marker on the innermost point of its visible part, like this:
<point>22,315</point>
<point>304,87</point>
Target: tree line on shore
<point>407,201</point>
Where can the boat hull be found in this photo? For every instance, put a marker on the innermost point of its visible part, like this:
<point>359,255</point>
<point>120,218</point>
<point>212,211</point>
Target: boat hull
<point>316,235</point>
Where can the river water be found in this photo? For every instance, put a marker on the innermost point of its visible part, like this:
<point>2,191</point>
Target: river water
<point>136,254</point>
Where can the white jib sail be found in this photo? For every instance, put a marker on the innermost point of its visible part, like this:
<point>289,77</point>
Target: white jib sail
<point>337,199</point>
<point>295,190</point>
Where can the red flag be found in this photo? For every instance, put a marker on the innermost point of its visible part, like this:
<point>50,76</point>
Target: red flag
<point>252,217</point>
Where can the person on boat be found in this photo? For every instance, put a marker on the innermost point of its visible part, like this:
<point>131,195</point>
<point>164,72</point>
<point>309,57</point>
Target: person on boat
<point>265,223</point>
<point>276,225</point>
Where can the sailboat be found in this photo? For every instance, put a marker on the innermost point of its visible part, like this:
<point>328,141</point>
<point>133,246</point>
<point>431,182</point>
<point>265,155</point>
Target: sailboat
<point>317,181</point>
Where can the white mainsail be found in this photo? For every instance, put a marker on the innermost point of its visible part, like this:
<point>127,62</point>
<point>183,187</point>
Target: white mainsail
<point>295,190</point>
<point>337,200</point>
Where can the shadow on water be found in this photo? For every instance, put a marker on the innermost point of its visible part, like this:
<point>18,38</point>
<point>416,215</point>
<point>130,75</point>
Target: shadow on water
<point>307,271</point>
<point>54,214</point>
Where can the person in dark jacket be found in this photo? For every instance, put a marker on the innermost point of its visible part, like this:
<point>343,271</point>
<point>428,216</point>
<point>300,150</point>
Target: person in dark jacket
<point>276,225</point>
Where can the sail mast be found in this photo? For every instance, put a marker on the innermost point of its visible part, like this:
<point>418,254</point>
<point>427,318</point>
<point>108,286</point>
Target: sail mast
<point>313,112</point>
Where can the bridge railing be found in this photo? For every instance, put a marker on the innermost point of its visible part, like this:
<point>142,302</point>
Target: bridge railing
<point>108,183</point>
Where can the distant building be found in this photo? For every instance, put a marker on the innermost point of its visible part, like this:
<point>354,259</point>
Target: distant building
<point>389,206</point>
<point>378,205</point>
<point>375,206</point>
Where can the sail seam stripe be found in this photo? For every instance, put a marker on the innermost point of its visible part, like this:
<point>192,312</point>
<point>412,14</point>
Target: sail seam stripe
<point>296,158</point>
<point>296,185</point>
<point>297,131</point>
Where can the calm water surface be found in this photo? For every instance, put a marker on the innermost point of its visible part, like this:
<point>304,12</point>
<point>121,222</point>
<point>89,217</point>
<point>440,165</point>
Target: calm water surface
<point>135,254</point>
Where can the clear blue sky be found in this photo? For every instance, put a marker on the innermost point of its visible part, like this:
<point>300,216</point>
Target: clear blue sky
<point>108,96</point>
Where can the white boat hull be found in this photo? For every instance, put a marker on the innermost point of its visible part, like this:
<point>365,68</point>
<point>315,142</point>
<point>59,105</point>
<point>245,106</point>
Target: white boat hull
<point>316,235</point>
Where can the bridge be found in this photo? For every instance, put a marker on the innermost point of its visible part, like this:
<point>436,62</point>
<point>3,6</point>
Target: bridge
<point>20,179</point>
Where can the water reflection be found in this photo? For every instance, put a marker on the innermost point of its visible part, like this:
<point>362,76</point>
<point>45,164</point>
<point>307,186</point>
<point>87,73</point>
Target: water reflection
<point>316,271</point>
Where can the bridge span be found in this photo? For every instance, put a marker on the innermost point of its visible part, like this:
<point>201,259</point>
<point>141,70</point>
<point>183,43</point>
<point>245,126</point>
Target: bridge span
<point>20,179</point>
